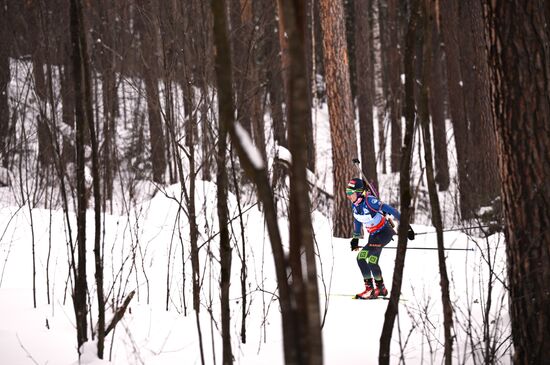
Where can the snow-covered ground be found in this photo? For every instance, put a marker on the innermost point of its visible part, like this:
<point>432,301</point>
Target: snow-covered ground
<point>151,334</point>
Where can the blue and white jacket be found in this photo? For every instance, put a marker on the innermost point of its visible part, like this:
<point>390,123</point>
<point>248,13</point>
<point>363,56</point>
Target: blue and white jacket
<point>368,211</point>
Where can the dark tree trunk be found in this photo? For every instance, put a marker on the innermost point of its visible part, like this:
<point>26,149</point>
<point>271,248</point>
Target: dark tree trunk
<point>241,50</point>
<point>450,34</point>
<point>304,274</point>
<point>365,87</point>
<point>150,54</point>
<point>424,116</point>
<point>404,187</point>
<point>437,100</point>
<point>308,37</point>
<point>395,89</point>
<point>342,130</point>
<point>380,78</point>
<point>483,184</point>
<point>518,42</point>
<point>275,88</point>
<point>226,120</point>
<point>78,57</point>
<point>225,244</point>
<point>45,150</point>
<point>109,94</point>
<point>4,83</point>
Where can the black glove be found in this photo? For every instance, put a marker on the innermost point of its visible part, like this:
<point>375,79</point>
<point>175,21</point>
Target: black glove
<point>354,243</point>
<point>410,233</point>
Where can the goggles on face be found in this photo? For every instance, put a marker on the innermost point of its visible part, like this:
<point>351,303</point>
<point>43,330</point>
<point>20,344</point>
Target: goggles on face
<point>351,191</point>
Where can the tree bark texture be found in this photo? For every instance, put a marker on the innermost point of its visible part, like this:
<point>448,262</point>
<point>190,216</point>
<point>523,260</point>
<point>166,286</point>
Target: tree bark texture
<point>438,100</point>
<point>450,34</point>
<point>80,286</point>
<point>341,115</point>
<point>519,54</point>
<point>483,184</point>
<point>304,273</point>
<point>395,88</point>
<point>4,82</point>
<point>4,109</point>
<point>226,120</point>
<point>365,88</point>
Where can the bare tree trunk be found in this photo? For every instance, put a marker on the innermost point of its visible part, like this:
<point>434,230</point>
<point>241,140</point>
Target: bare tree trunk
<point>225,244</point>
<point>226,120</point>
<point>424,116</point>
<point>342,125</point>
<point>81,93</point>
<point>437,100</point>
<point>395,89</point>
<point>304,284</point>
<point>308,37</point>
<point>404,187</point>
<point>482,172</point>
<point>275,87</point>
<point>4,83</point>
<point>489,183</point>
<point>379,82</point>
<point>518,41</point>
<point>149,28</point>
<point>450,34</point>
<point>365,87</point>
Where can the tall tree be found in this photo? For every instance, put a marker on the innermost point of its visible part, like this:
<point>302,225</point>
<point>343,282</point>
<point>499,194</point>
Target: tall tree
<point>379,79</point>
<point>483,184</point>
<point>518,41</point>
<point>425,29</point>
<point>148,25</point>
<point>4,82</point>
<point>365,87</point>
<point>302,256</point>
<point>41,88</point>
<point>341,114</point>
<point>226,120</point>
<point>438,100</point>
<point>450,30</point>
<point>394,83</point>
<point>404,187</point>
<point>274,75</point>
<point>81,93</point>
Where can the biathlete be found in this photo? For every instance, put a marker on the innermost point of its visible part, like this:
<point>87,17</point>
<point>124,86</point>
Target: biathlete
<point>370,213</point>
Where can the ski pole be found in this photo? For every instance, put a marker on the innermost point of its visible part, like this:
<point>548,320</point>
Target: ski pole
<point>453,229</point>
<point>429,248</point>
<point>434,248</point>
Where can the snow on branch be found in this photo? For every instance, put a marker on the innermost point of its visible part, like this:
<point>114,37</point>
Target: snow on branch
<point>251,151</point>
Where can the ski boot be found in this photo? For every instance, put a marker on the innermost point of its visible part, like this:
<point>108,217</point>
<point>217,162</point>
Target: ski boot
<point>380,289</point>
<point>367,293</point>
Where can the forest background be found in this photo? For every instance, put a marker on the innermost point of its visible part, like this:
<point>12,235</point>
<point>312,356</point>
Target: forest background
<point>100,98</point>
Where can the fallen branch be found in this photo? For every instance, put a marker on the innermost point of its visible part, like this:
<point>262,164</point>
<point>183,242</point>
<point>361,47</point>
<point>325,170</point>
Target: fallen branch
<point>120,312</point>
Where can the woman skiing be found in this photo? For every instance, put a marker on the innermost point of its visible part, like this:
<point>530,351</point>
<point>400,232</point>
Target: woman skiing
<point>369,212</point>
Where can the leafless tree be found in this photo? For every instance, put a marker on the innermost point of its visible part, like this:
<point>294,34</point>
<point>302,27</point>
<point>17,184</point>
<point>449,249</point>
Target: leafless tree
<point>365,87</point>
<point>341,114</point>
<point>82,97</point>
<point>518,53</point>
<point>425,30</point>
<point>404,186</point>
